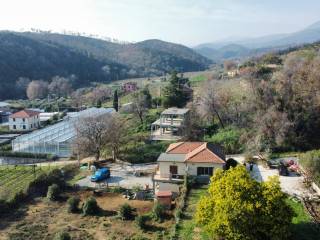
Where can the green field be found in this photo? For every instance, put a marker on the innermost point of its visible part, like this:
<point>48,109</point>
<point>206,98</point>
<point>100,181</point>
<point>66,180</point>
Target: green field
<point>16,178</point>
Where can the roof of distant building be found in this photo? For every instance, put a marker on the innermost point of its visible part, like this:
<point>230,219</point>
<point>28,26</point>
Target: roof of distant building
<point>174,110</point>
<point>24,114</point>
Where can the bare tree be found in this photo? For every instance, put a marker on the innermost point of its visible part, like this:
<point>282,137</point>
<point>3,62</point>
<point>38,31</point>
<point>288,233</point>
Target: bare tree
<point>139,102</point>
<point>209,102</point>
<point>92,135</point>
<point>37,89</point>
<point>116,129</point>
<point>95,134</point>
<point>60,86</point>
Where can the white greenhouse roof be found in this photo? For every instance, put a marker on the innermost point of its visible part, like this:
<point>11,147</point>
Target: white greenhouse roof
<point>62,131</point>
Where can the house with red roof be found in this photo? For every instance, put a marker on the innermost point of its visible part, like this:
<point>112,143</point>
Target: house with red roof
<point>24,120</point>
<point>197,159</point>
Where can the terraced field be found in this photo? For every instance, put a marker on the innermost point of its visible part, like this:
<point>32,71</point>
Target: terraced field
<point>16,178</point>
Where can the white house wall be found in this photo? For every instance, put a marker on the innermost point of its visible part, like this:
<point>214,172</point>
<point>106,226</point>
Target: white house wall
<point>192,167</point>
<point>19,123</point>
<point>164,168</point>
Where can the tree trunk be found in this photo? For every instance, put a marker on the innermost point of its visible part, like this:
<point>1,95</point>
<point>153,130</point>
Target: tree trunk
<point>220,120</point>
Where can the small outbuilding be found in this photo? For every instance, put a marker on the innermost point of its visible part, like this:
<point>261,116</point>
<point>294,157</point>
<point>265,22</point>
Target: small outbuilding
<point>164,198</point>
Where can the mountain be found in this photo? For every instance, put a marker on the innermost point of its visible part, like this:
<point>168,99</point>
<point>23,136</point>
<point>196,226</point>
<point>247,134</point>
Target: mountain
<point>44,55</point>
<point>150,57</point>
<point>251,46</point>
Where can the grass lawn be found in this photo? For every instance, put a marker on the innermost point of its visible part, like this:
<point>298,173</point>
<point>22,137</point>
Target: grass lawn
<point>187,229</point>
<point>302,226</point>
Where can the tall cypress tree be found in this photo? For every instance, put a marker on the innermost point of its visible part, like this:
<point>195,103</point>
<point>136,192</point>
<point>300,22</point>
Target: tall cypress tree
<point>115,100</point>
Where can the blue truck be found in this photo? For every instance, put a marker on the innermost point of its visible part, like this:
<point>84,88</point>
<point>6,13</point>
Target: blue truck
<point>100,174</point>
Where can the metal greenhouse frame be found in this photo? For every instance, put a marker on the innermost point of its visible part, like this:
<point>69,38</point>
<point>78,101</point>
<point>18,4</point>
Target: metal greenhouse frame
<point>56,139</point>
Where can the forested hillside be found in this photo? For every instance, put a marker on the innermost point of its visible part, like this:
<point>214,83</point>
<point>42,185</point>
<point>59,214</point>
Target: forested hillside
<point>44,55</point>
<point>272,105</point>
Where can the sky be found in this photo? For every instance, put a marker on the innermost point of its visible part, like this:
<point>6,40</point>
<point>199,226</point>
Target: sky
<point>188,22</point>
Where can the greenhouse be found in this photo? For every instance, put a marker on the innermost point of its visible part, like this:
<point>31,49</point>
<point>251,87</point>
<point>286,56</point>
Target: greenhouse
<point>56,139</point>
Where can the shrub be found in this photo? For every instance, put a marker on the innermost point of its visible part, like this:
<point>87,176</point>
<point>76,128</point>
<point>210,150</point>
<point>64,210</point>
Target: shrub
<point>158,212</point>
<point>90,207</point>
<point>53,192</point>
<point>229,139</point>
<point>73,204</point>
<point>231,163</point>
<point>126,212</point>
<point>141,221</point>
<point>17,199</point>
<point>62,236</point>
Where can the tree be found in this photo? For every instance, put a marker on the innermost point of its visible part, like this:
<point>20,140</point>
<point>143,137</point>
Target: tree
<point>238,207</point>
<point>95,134</point>
<point>174,95</point>
<point>229,65</point>
<point>117,132</point>
<point>21,86</point>
<point>115,100</point>
<point>60,86</point>
<point>140,102</point>
<point>92,135</point>
<point>37,89</point>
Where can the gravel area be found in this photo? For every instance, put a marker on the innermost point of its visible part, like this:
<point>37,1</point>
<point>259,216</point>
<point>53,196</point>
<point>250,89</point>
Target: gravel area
<point>292,185</point>
<point>124,176</point>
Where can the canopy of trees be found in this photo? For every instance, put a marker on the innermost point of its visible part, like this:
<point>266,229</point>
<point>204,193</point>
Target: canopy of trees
<point>238,207</point>
<point>175,94</point>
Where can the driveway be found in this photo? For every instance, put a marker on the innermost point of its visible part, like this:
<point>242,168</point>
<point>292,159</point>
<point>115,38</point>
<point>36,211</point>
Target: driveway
<point>292,185</point>
<point>123,176</point>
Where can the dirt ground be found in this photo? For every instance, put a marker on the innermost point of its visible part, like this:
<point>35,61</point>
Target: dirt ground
<point>43,219</point>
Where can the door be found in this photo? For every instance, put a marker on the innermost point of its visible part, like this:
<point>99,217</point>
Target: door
<point>173,170</point>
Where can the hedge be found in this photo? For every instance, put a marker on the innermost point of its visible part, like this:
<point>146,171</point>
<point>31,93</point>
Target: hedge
<point>27,155</point>
<point>180,204</point>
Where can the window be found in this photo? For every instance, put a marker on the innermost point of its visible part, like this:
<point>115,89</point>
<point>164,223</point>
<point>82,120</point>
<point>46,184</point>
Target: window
<point>14,119</point>
<point>24,126</point>
<point>31,125</point>
<point>14,127</point>
<point>207,171</point>
<point>173,170</point>
<point>23,119</point>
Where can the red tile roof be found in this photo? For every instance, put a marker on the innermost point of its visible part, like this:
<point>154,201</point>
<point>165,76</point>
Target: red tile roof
<point>183,147</point>
<point>198,152</point>
<point>164,194</point>
<point>24,114</point>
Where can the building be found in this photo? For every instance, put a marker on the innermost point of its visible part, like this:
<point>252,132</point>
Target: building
<point>24,120</point>
<point>129,87</point>
<point>56,139</point>
<point>197,159</point>
<point>4,117</point>
<point>171,125</point>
